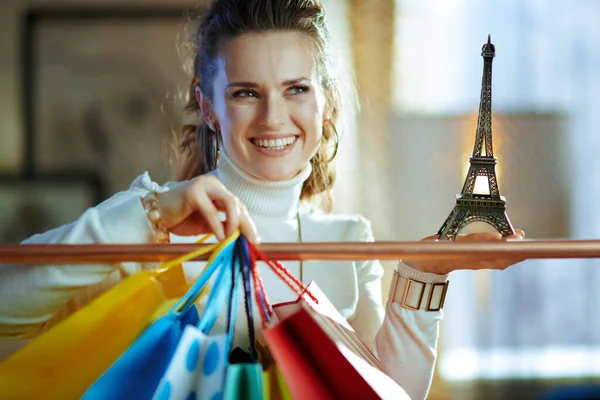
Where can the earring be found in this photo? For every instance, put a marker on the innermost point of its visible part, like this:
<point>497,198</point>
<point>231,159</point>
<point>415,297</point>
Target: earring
<point>208,144</point>
<point>336,139</point>
<point>215,150</point>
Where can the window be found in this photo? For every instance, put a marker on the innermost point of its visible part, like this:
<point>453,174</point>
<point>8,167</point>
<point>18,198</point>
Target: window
<point>539,319</point>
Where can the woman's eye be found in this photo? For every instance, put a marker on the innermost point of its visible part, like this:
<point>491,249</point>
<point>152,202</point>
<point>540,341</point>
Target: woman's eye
<point>244,93</point>
<point>298,89</point>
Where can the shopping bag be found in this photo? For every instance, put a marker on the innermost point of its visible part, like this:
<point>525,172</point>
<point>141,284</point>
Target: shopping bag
<point>317,351</point>
<point>98,333</point>
<point>197,368</point>
<point>138,371</point>
<point>65,360</point>
<point>332,348</point>
<point>244,382</point>
<point>274,386</point>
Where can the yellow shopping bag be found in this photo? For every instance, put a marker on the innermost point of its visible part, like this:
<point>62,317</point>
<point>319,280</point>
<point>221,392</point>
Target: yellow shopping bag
<point>274,385</point>
<point>63,362</point>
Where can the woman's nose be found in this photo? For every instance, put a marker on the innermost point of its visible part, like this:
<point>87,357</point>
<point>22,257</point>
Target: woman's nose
<point>273,113</point>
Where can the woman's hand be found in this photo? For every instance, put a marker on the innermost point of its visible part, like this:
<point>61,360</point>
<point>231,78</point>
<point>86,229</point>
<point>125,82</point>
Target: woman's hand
<point>443,267</point>
<point>192,208</point>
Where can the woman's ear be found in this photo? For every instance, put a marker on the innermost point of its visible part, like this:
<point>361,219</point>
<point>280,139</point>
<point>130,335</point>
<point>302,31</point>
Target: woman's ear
<point>205,107</point>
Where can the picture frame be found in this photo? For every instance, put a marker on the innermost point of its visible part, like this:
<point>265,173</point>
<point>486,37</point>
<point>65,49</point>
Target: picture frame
<point>100,91</point>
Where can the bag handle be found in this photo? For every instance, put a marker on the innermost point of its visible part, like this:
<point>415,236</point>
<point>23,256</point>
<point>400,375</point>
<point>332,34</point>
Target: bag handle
<point>214,262</point>
<point>186,257</point>
<point>251,255</point>
<point>248,298</point>
<point>218,294</point>
<point>284,273</point>
<point>171,277</point>
<point>234,294</point>
<point>262,301</point>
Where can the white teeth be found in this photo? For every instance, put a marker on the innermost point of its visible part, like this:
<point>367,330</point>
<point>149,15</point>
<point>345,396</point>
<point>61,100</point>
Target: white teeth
<point>275,144</point>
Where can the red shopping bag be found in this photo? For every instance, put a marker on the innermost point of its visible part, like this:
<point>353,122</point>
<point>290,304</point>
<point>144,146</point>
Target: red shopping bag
<point>317,351</point>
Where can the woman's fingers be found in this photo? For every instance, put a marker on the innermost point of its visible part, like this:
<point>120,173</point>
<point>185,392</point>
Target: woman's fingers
<point>238,218</point>
<point>195,207</point>
<point>518,235</point>
<point>209,212</point>
<point>480,237</point>
<point>247,226</point>
<point>231,207</point>
<point>431,238</point>
<point>236,214</point>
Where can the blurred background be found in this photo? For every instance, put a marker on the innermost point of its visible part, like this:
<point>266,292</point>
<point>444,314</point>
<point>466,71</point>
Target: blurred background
<point>90,92</point>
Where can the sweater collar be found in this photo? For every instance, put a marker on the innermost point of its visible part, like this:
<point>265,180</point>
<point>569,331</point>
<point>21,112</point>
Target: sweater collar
<point>264,199</point>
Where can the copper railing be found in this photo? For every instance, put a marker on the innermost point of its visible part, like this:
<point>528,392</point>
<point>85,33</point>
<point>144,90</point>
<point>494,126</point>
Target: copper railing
<point>98,253</point>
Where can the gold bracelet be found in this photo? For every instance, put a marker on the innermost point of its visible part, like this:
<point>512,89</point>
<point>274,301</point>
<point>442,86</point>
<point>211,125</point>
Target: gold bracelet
<point>417,295</point>
<point>154,214</point>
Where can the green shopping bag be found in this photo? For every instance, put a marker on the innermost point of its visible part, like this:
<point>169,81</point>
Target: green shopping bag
<point>244,382</point>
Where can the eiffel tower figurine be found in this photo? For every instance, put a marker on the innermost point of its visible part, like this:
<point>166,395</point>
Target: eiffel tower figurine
<point>471,206</point>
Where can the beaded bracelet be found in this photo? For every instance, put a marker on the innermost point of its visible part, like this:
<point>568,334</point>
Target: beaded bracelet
<point>154,214</point>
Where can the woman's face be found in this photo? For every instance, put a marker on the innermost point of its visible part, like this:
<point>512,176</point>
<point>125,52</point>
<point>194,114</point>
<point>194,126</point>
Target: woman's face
<point>267,103</point>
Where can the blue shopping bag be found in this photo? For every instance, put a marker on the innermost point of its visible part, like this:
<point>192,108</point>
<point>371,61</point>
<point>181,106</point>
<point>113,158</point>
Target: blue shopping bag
<point>137,373</point>
<point>197,368</point>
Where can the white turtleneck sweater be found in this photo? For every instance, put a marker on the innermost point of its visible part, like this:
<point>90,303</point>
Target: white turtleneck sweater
<point>34,298</point>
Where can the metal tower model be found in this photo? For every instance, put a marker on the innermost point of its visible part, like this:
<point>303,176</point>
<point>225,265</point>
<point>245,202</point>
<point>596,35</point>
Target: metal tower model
<point>489,207</point>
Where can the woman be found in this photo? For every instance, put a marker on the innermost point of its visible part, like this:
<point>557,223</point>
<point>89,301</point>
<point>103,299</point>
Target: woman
<point>268,104</point>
